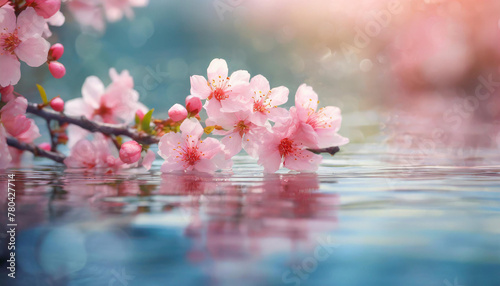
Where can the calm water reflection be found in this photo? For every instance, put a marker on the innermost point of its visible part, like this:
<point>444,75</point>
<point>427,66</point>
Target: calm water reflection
<point>363,219</point>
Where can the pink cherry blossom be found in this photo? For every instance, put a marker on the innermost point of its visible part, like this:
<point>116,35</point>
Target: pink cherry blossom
<point>20,39</point>
<point>287,145</point>
<point>116,9</point>
<point>187,152</point>
<point>240,132</point>
<point>318,128</point>
<point>267,100</point>
<point>15,122</point>
<point>130,152</point>
<point>3,2</point>
<point>223,93</point>
<point>117,103</point>
<point>177,112</point>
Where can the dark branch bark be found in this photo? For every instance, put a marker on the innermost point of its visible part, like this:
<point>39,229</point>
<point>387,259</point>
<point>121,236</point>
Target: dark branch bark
<point>54,156</point>
<point>330,150</point>
<point>92,126</point>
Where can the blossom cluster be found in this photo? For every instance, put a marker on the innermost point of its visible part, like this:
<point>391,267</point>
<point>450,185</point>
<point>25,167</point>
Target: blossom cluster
<point>248,114</point>
<point>244,113</point>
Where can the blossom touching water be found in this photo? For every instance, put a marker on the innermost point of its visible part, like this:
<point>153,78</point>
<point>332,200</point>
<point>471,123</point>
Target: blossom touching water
<point>186,151</point>
<point>223,93</point>
<point>318,128</point>
<point>20,39</point>
<point>86,154</point>
<point>285,144</point>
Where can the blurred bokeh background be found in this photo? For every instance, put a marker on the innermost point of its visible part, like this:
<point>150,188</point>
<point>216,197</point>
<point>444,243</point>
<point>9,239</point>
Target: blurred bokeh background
<point>423,74</point>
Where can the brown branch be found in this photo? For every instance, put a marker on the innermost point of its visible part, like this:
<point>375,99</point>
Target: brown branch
<point>54,156</point>
<point>83,122</point>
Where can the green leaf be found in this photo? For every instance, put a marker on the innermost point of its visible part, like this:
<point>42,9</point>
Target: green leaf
<point>43,94</point>
<point>137,119</point>
<point>146,121</point>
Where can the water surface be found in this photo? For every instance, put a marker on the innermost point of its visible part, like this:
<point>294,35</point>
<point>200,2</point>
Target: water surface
<point>365,218</point>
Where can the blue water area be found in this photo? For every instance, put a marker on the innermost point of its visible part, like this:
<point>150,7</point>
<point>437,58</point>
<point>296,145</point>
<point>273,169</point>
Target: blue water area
<point>360,220</point>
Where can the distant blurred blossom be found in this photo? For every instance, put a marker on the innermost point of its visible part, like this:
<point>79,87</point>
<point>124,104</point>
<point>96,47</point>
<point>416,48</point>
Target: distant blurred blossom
<point>116,9</point>
<point>116,103</point>
<point>94,13</point>
<point>14,123</point>
<point>93,154</point>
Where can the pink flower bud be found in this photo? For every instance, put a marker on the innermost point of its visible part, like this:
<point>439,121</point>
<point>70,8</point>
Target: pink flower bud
<point>193,105</point>
<point>139,114</point>
<point>44,146</point>
<point>177,112</point>
<point>56,51</point>
<point>130,152</point>
<point>57,104</point>
<point>57,69</point>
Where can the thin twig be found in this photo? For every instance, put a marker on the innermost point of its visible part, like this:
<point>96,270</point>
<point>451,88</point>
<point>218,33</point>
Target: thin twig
<point>53,139</point>
<point>54,156</point>
<point>92,126</point>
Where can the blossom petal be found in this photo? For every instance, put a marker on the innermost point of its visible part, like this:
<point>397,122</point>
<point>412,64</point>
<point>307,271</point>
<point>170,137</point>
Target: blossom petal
<point>206,166</point>
<point>78,107</point>
<point>306,101</point>
<point>10,73</point>
<point>232,144</point>
<point>168,167</point>
<point>92,91</point>
<point>168,143</point>
<point>75,134</point>
<point>217,70</point>
<point>30,24</point>
<point>200,87</point>
<point>278,96</point>
<point>191,127</point>
<point>329,138</point>
<point>303,160</point>
<point>33,51</point>
<point>260,83</point>
<point>148,159</point>
<point>209,147</point>
<point>270,160</point>
<point>7,19</point>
